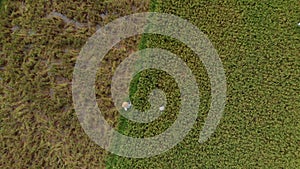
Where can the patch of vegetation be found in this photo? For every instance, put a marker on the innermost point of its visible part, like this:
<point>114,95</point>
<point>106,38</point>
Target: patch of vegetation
<point>38,125</point>
<point>258,43</point>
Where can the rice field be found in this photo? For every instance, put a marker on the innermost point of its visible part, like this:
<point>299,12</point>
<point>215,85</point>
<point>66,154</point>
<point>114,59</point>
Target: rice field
<point>257,41</point>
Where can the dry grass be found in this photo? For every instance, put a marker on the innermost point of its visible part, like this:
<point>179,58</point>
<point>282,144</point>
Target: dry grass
<point>39,128</point>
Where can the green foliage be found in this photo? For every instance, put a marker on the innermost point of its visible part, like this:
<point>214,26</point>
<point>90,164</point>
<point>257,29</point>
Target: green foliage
<point>258,42</point>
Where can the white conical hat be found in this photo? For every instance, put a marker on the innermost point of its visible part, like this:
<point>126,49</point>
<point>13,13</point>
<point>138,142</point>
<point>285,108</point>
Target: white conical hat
<point>126,105</point>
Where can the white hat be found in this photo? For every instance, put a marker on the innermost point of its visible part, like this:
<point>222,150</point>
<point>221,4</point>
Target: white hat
<point>162,108</point>
<point>126,105</point>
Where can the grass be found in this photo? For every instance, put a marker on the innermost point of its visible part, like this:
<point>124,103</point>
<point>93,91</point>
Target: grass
<point>258,43</point>
<point>39,128</point>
